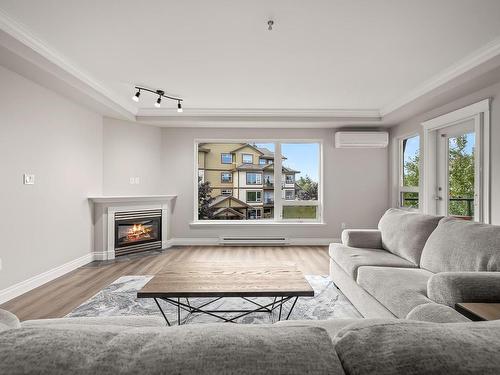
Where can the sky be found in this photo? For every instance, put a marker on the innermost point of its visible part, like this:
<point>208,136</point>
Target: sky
<point>413,144</point>
<point>303,157</point>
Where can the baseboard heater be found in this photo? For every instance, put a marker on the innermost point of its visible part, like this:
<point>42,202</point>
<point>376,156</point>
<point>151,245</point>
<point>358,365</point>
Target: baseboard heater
<point>242,241</point>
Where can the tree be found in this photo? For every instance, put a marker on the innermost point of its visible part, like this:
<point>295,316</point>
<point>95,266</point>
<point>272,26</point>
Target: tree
<point>308,189</point>
<point>205,212</point>
<point>461,176</point>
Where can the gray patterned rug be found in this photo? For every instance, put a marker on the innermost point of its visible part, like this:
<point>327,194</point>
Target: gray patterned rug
<point>119,298</point>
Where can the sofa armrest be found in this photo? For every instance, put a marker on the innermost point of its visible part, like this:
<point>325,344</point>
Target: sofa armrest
<point>436,313</point>
<point>450,288</point>
<point>365,238</point>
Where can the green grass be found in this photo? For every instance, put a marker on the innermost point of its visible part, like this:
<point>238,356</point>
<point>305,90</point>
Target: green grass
<point>299,212</point>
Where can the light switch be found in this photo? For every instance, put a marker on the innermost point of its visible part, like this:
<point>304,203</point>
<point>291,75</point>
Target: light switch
<point>29,179</point>
<point>137,180</point>
<point>132,180</point>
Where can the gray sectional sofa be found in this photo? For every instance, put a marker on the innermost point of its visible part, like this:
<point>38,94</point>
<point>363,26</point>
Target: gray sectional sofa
<point>144,345</point>
<point>417,266</point>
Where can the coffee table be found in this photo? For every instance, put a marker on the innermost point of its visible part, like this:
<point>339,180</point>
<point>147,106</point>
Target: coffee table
<point>178,282</point>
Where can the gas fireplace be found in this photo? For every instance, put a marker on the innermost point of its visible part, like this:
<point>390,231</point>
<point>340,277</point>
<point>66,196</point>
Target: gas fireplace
<point>137,231</point>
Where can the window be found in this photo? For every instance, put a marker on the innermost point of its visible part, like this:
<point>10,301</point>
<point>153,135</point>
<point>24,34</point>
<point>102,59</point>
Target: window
<point>247,158</point>
<point>254,213</point>
<point>246,191</point>
<point>226,158</point>
<point>254,196</point>
<point>254,178</point>
<point>409,172</point>
<point>226,177</point>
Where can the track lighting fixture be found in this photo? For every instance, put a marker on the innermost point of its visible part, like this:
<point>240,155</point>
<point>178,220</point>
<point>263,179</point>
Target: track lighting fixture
<point>160,93</point>
<point>135,98</point>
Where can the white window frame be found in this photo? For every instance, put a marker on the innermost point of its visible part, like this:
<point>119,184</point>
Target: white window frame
<point>480,113</point>
<point>257,174</point>
<point>279,201</point>
<point>408,189</point>
<point>256,192</point>
<point>243,158</point>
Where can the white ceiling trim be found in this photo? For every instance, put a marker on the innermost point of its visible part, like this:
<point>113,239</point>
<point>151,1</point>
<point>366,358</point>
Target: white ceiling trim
<point>256,112</point>
<point>21,34</point>
<point>474,60</point>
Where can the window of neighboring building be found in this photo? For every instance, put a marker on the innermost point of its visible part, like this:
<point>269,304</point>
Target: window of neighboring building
<point>409,171</point>
<point>247,158</point>
<point>262,161</point>
<point>226,177</point>
<point>254,213</point>
<point>254,178</point>
<point>289,195</point>
<point>201,175</point>
<point>254,196</point>
<point>226,192</point>
<point>226,158</point>
<point>289,179</point>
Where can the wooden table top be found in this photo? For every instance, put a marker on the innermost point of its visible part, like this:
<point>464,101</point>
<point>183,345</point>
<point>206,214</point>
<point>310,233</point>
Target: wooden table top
<point>480,311</point>
<point>216,279</point>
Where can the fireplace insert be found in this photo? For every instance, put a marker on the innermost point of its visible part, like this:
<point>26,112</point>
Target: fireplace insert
<point>137,231</point>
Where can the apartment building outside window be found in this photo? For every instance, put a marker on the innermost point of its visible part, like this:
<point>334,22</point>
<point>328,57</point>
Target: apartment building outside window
<point>239,180</point>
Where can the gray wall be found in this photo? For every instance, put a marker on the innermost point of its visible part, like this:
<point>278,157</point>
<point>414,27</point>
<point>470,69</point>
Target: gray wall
<point>45,225</point>
<point>356,189</point>
<point>414,125</point>
<point>131,150</point>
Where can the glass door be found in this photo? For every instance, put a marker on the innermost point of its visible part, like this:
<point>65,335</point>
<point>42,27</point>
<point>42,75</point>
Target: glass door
<point>458,173</point>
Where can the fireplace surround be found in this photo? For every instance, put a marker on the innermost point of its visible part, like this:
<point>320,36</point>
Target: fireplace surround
<point>115,217</point>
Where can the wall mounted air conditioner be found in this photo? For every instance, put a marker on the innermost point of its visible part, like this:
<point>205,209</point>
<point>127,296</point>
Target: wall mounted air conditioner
<point>361,139</point>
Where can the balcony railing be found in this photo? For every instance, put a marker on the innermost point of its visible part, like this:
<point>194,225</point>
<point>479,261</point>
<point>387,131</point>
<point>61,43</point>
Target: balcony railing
<point>469,202</point>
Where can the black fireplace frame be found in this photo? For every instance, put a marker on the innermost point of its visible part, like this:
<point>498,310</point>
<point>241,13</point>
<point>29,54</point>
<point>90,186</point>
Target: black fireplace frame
<point>134,217</point>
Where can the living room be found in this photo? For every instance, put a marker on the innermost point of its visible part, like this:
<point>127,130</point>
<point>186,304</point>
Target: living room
<point>329,173</point>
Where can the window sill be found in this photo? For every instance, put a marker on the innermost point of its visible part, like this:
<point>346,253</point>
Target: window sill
<point>220,223</point>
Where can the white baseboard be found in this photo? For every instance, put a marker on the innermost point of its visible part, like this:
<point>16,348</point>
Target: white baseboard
<point>34,282</point>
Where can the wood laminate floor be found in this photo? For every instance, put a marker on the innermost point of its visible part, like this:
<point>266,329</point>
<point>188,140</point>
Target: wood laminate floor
<point>60,296</point>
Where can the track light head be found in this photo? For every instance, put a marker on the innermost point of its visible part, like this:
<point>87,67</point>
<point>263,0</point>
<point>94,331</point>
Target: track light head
<point>158,102</point>
<point>135,98</point>
<point>179,106</point>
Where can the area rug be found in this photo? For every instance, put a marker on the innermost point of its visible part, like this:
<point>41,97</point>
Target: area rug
<point>120,299</point>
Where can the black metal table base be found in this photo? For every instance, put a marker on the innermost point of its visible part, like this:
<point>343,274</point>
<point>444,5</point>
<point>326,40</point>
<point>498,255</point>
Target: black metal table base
<point>276,304</point>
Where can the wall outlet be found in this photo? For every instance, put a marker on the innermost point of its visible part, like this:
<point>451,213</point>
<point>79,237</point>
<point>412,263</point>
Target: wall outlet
<point>29,179</point>
<point>134,180</point>
<point>343,226</point>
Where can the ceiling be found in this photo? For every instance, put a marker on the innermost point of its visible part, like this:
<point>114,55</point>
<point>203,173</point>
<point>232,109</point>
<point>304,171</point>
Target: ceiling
<point>352,55</point>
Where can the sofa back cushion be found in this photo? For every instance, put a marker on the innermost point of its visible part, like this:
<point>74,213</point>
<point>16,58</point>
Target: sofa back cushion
<point>407,347</point>
<point>404,233</point>
<point>458,245</point>
<point>187,349</point>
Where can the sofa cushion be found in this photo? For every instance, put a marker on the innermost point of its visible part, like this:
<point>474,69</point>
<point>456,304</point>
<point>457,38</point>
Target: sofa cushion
<point>351,258</point>
<point>418,348</point>
<point>437,313</point>
<point>404,233</point>
<point>104,321</point>
<point>398,289</point>
<point>190,349</point>
<point>458,245</point>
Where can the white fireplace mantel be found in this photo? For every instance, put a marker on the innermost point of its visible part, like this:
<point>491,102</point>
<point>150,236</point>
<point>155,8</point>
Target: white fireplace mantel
<point>105,208</point>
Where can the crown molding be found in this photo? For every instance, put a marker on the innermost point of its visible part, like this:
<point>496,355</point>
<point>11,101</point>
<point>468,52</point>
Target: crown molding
<point>326,113</point>
<point>474,60</point>
<point>21,34</point>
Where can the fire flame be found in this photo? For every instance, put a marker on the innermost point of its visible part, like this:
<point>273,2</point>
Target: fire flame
<point>139,232</point>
